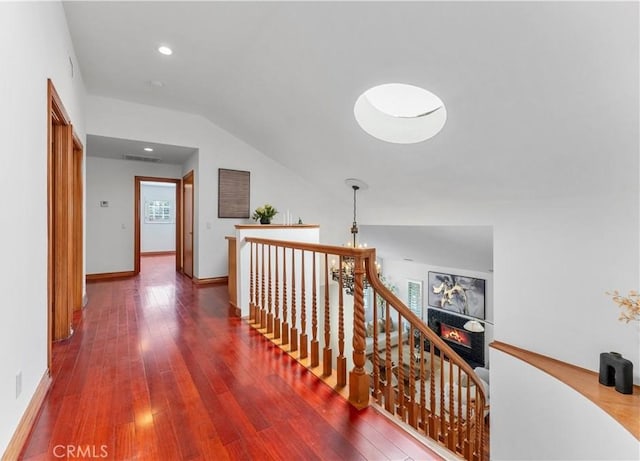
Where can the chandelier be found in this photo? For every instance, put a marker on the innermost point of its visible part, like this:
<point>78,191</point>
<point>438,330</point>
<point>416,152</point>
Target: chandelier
<point>347,268</point>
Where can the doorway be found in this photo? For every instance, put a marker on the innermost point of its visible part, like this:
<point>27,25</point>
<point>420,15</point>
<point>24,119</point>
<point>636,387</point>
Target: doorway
<point>140,212</point>
<point>64,221</point>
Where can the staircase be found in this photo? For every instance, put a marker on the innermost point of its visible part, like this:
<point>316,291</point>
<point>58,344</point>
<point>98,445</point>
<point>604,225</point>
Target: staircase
<point>302,299</point>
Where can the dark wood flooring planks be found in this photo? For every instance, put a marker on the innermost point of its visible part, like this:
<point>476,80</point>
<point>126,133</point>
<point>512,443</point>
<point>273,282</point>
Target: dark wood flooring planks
<point>157,370</point>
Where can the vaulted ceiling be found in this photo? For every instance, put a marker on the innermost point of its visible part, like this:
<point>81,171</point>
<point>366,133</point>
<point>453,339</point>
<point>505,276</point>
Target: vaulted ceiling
<point>541,96</point>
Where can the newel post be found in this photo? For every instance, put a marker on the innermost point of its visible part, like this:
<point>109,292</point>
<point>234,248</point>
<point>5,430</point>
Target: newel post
<point>358,378</point>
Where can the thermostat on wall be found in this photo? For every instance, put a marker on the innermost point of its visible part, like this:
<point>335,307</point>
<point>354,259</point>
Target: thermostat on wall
<point>104,203</point>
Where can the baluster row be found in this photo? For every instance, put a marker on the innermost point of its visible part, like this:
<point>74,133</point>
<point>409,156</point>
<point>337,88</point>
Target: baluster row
<point>421,385</point>
<point>283,295</point>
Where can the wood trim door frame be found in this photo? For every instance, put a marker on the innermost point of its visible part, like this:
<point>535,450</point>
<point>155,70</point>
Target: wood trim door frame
<point>65,221</point>
<point>188,180</point>
<point>138,213</point>
<point>78,222</point>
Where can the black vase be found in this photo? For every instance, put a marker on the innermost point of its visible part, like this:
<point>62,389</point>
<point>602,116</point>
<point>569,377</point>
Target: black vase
<point>265,220</point>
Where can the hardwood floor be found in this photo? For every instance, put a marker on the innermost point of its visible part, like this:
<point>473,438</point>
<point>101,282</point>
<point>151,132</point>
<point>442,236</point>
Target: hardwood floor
<point>157,370</point>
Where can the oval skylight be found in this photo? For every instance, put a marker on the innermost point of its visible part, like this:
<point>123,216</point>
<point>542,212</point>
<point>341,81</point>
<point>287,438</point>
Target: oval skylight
<point>400,113</point>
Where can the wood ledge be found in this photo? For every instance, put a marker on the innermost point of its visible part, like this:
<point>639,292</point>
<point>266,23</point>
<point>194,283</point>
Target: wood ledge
<point>277,226</point>
<point>624,408</point>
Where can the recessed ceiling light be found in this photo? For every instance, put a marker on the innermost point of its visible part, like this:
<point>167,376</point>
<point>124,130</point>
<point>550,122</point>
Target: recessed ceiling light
<point>165,50</point>
<point>400,113</point>
<point>149,149</point>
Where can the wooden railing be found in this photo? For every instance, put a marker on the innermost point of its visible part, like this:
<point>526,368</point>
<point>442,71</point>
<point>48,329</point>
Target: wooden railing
<point>395,361</point>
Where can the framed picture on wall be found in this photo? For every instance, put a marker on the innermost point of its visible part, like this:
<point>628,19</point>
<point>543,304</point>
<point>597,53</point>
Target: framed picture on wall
<point>457,293</point>
<point>233,193</point>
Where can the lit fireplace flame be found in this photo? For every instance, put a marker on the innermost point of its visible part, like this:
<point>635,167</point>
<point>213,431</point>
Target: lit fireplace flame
<point>455,335</point>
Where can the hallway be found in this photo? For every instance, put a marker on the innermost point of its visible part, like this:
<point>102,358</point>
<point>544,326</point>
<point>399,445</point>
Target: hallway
<point>157,370</point>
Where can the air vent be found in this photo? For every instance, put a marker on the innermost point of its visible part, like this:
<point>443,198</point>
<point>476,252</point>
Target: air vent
<point>141,158</point>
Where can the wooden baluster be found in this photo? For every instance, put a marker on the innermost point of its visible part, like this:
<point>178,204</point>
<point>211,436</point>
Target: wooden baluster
<point>468,436</point>
<point>252,299</point>
<point>478,440</point>
<point>270,312</point>
<point>441,414</point>
<point>423,396</point>
<point>459,421</point>
<point>413,415</point>
<point>377,394</point>
<point>400,367</point>
<point>285,324</point>
<point>294,318</point>
<point>389,400</point>
<point>256,285</point>
<point>276,320</point>
<point>315,351</point>
<point>263,293</point>
<point>327,354</point>
<point>452,413</point>
<point>304,338</point>
<point>342,360</point>
<point>432,393</point>
<point>358,378</point>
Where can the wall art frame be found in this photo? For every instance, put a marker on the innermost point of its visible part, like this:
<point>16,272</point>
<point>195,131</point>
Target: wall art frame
<point>234,187</point>
<point>457,293</point>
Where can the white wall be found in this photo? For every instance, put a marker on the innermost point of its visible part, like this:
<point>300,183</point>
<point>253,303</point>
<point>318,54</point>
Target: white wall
<point>270,182</point>
<point>157,236</point>
<point>110,230</point>
<point>539,418</point>
<point>35,46</point>
<point>554,259</point>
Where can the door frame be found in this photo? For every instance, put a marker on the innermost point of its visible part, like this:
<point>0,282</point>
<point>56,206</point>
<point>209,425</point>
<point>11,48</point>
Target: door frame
<point>137,216</point>
<point>65,221</point>
<point>189,176</point>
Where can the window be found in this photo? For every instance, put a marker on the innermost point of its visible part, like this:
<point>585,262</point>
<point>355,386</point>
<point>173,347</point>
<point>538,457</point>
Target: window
<point>158,211</point>
<point>414,297</point>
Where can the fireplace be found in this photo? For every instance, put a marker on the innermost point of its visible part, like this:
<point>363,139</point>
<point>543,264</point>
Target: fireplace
<point>455,335</point>
<point>450,327</point>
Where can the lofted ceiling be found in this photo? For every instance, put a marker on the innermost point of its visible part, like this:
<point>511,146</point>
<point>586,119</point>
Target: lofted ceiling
<point>541,97</point>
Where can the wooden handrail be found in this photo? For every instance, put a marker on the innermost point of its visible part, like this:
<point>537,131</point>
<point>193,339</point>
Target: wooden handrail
<point>318,248</point>
<point>416,321</point>
<point>412,374</point>
<point>624,408</point>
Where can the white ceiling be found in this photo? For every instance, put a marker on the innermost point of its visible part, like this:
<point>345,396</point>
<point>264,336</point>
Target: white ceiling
<point>115,148</point>
<point>464,247</point>
<point>541,97</point>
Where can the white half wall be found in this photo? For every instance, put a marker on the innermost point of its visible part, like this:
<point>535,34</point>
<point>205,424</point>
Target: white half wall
<point>536,417</point>
<point>270,181</point>
<point>35,46</point>
<point>156,237</point>
<point>110,230</point>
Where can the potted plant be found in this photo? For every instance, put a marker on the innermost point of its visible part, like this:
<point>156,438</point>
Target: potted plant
<point>264,214</point>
